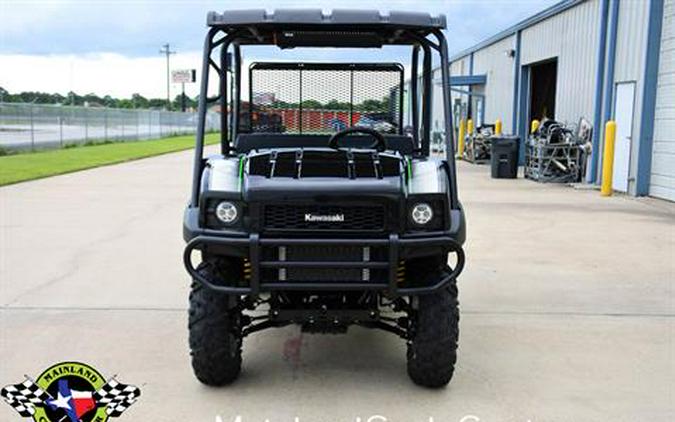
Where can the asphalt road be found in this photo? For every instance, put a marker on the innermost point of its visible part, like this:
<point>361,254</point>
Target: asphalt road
<point>567,301</point>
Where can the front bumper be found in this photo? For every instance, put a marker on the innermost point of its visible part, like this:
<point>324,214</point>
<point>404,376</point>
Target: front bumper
<point>399,248</point>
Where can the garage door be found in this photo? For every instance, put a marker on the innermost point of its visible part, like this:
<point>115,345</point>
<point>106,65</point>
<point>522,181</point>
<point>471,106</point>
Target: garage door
<point>662,182</point>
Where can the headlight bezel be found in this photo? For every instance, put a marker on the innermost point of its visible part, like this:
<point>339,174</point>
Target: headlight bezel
<point>229,209</point>
<point>210,219</point>
<point>439,207</point>
<point>421,213</point>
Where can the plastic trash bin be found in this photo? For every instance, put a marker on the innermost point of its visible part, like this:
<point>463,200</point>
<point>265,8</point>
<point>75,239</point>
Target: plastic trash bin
<point>504,157</point>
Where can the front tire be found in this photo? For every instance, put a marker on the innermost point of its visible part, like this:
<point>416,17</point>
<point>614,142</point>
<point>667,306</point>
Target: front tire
<point>432,351</point>
<point>214,332</point>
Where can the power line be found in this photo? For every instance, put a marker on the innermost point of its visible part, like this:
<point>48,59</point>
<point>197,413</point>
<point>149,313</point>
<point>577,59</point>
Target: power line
<point>166,49</point>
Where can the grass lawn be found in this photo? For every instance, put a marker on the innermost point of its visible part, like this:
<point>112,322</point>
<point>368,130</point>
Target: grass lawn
<point>22,167</point>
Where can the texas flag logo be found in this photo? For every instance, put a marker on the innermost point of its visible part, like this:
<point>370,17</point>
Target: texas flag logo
<point>70,392</point>
<point>74,403</point>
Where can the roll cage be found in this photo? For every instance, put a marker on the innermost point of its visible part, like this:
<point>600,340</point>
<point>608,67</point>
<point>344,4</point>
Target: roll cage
<point>312,28</point>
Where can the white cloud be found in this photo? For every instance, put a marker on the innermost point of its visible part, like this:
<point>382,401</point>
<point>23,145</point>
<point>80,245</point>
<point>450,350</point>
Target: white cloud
<point>111,47</point>
<point>102,73</point>
<point>121,76</point>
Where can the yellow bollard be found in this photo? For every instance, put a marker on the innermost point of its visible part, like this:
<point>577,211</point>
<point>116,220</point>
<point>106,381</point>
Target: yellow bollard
<point>534,126</point>
<point>498,127</point>
<point>469,127</point>
<point>460,141</point>
<point>608,158</point>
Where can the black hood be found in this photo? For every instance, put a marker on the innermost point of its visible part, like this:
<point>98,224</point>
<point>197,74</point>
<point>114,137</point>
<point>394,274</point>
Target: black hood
<point>292,174</point>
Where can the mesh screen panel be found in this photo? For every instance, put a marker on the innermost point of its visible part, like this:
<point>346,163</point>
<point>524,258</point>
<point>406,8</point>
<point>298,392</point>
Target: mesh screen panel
<point>275,99</point>
<point>316,99</point>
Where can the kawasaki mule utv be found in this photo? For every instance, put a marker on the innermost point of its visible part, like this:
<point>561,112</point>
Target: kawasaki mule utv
<point>323,207</point>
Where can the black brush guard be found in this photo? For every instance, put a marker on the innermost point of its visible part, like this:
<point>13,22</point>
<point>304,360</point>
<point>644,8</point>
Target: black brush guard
<point>253,243</point>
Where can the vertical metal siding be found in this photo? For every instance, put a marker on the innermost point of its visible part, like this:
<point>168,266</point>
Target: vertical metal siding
<point>572,38</point>
<point>631,39</point>
<point>629,65</point>
<point>498,67</point>
<point>543,41</point>
<point>458,67</point>
<point>662,180</point>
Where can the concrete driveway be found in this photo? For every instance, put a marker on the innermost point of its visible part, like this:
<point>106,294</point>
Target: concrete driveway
<point>567,299</point>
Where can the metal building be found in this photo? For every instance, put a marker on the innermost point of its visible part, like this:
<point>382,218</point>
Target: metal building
<point>594,59</point>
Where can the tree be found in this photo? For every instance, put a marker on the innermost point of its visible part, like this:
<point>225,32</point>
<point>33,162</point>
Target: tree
<point>72,98</point>
<point>58,99</point>
<point>139,101</point>
<point>92,99</point>
<point>189,103</point>
<point>136,100</point>
<point>311,104</point>
<point>337,105</point>
<point>157,103</point>
<point>371,105</point>
<point>109,101</point>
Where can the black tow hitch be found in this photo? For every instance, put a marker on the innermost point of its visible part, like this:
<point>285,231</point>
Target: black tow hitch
<point>327,321</point>
<point>324,320</point>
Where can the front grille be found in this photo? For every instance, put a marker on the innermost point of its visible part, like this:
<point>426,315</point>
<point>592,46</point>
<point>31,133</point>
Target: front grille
<point>361,218</point>
<point>323,253</point>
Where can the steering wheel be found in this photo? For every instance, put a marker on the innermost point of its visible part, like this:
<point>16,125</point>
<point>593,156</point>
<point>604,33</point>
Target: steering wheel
<point>379,143</point>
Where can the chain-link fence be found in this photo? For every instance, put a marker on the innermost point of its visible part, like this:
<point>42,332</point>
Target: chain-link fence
<point>40,126</point>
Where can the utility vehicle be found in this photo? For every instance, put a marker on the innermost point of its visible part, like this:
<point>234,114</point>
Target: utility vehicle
<point>311,219</point>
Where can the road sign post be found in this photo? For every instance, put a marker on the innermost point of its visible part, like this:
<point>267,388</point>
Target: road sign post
<point>184,76</point>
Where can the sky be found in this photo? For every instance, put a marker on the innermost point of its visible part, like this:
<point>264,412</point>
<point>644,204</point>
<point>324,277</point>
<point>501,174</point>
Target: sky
<point>112,46</point>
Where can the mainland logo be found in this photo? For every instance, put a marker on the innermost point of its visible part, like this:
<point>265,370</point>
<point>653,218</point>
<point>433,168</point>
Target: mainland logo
<point>70,392</point>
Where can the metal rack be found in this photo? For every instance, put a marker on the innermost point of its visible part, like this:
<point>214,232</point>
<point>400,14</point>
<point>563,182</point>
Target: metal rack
<point>556,152</point>
<point>477,145</point>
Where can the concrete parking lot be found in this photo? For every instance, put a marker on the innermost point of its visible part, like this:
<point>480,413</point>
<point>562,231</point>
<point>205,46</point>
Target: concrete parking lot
<point>567,300</point>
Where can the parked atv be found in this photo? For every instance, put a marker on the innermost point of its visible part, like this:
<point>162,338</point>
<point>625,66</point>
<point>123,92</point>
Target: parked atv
<point>320,225</point>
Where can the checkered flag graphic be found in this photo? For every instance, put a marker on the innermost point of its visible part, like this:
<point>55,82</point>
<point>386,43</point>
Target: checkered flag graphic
<point>24,397</point>
<point>117,397</point>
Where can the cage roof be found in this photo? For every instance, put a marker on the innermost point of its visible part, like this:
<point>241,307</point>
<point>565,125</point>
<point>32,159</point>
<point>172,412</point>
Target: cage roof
<point>316,19</point>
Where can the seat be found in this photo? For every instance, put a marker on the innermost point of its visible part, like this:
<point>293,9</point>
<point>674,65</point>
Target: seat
<point>246,142</point>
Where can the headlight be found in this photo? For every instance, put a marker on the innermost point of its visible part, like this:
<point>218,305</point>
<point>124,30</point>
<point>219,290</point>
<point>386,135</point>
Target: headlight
<point>421,213</point>
<point>227,212</point>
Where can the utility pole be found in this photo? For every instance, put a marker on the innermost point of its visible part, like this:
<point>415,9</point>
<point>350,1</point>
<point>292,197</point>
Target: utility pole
<point>167,51</point>
<point>182,98</point>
